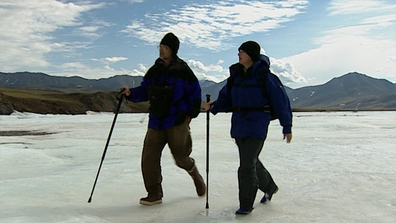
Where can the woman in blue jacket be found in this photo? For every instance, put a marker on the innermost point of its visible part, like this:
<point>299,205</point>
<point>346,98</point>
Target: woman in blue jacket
<point>254,96</point>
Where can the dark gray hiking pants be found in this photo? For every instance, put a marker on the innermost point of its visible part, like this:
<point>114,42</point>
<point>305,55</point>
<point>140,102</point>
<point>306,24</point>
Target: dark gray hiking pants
<point>252,174</point>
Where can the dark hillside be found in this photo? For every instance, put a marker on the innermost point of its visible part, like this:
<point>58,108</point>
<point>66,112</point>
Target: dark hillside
<point>63,103</point>
<point>44,82</point>
<point>350,91</point>
<point>45,94</point>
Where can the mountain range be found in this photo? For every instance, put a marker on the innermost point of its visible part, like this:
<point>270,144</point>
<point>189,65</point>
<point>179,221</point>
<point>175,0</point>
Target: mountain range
<point>352,91</point>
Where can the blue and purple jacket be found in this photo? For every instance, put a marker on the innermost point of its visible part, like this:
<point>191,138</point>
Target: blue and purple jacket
<point>186,92</point>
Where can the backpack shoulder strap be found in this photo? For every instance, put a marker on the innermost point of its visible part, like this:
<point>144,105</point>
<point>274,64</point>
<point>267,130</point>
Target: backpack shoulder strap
<point>262,81</point>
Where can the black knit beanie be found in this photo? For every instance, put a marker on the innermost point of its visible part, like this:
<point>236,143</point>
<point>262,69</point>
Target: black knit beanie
<point>172,42</point>
<point>252,49</point>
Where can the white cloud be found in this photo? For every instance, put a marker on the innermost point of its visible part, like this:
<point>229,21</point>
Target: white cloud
<point>26,29</point>
<point>287,72</point>
<point>133,1</point>
<point>338,7</point>
<point>213,72</point>
<point>352,48</point>
<point>347,53</point>
<point>88,31</point>
<point>142,68</point>
<point>381,21</point>
<point>199,65</point>
<point>110,60</point>
<point>210,25</point>
<point>81,69</point>
<point>68,47</point>
<point>92,31</point>
<point>136,72</point>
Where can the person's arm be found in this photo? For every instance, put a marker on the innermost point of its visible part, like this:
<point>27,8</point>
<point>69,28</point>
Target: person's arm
<point>280,102</point>
<point>223,102</point>
<point>140,93</point>
<point>195,99</point>
<point>193,95</point>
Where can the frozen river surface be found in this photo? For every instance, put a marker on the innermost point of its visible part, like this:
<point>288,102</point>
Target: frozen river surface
<point>340,167</point>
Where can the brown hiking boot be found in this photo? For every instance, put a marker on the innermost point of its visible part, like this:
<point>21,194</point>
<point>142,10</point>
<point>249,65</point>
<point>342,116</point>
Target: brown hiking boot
<point>198,181</point>
<point>151,200</point>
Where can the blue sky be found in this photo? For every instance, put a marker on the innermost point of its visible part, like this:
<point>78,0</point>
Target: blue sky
<point>308,42</point>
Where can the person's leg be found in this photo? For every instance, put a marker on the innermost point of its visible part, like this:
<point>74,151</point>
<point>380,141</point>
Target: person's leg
<point>249,150</point>
<point>265,179</point>
<point>180,144</point>
<point>154,143</point>
<point>266,182</point>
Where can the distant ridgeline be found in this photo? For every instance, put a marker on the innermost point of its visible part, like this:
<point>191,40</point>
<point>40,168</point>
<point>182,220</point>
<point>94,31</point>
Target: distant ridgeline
<point>45,94</point>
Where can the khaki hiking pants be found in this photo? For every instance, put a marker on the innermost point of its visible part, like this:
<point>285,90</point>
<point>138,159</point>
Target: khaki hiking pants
<point>179,141</point>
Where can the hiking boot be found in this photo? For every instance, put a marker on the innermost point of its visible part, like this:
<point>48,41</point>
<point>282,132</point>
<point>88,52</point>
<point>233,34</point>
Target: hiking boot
<point>151,200</point>
<point>198,181</point>
<point>243,211</point>
<point>268,196</point>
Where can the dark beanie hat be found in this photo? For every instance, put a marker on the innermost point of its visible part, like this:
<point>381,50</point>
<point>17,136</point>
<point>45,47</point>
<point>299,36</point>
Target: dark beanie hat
<point>172,42</point>
<point>252,49</point>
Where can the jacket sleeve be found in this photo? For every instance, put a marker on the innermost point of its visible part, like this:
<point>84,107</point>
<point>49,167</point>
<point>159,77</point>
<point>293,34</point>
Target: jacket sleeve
<point>223,102</point>
<point>193,93</point>
<point>194,97</point>
<point>279,101</point>
<point>140,93</point>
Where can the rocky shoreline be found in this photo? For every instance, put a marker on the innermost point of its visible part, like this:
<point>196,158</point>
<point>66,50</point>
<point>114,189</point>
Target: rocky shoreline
<point>65,103</point>
<point>24,133</point>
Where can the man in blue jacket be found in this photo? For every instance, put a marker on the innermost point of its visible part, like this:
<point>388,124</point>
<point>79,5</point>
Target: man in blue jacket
<point>252,93</point>
<point>175,98</point>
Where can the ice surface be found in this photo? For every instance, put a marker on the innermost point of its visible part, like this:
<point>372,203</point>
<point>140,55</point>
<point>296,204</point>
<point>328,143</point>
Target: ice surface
<point>340,167</point>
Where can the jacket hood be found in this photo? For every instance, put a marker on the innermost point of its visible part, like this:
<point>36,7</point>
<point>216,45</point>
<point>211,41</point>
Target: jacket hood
<point>263,58</point>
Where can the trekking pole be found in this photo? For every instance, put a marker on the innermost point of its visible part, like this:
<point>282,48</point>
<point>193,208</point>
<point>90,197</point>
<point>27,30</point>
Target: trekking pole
<point>207,152</point>
<point>107,144</point>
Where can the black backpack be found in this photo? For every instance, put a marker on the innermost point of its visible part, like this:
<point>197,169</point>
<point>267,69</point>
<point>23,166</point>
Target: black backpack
<point>262,80</point>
